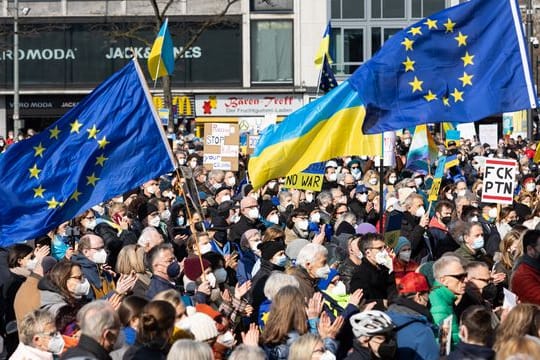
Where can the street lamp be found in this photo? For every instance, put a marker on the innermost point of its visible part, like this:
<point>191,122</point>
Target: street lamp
<point>18,123</point>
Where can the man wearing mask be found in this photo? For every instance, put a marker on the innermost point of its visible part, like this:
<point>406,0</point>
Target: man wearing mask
<point>218,234</point>
<point>215,180</point>
<point>472,248</point>
<point>375,275</point>
<point>359,201</point>
<point>230,180</point>
<point>330,176</point>
<point>348,267</point>
<point>525,282</point>
<point>488,220</point>
<point>222,194</point>
<point>270,214</point>
<point>373,336</point>
<point>413,226</point>
<point>440,239</point>
<point>150,189</point>
<point>165,269</point>
<point>311,266</point>
<point>479,288</point>
<point>354,167</point>
<point>249,219</point>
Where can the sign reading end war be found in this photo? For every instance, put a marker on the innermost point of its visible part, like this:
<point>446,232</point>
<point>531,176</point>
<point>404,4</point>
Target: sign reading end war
<point>499,181</point>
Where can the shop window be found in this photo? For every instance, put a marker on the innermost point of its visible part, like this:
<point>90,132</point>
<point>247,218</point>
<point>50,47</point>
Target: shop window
<point>271,51</point>
<point>389,9</point>
<point>272,5</point>
<point>379,37</point>
<point>347,9</point>
<point>424,8</point>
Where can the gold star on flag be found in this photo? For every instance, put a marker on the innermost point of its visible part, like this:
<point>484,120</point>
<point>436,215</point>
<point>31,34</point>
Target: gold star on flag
<point>39,150</point>
<point>415,31</point>
<point>38,192</point>
<point>408,43</point>
<point>103,142</point>
<point>75,195</point>
<point>430,96</point>
<point>446,101</point>
<point>449,25</point>
<point>466,79</point>
<point>34,172</point>
<point>416,84</point>
<point>100,160</point>
<point>467,59</point>
<point>92,179</point>
<point>461,39</point>
<point>458,95</point>
<point>54,133</point>
<point>53,204</point>
<point>409,64</point>
<point>75,126</point>
<point>431,24</point>
<point>92,133</point>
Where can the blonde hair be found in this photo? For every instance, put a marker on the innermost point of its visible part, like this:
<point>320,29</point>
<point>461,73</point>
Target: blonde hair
<point>519,348</point>
<point>508,240</point>
<point>302,348</point>
<point>172,297</point>
<point>520,321</point>
<point>130,258</point>
<point>185,349</point>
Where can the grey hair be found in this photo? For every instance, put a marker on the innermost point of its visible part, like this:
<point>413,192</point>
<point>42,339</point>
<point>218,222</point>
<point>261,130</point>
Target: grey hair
<point>309,253</point>
<point>283,194</point>
<point>276,281</point>
<point>146,234</point>
<point>409,200</point>
<point>187,349</point>
<point>325,198</point>
<point>247,352</point>
<point>440,265</point>
<point>33,323</point>
<point>303,345</point>
<point>215,173</point>
<point>96,317</point>
<point>349,217</point>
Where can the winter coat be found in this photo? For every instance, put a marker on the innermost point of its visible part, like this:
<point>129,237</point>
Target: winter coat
<point>243,225</point>
<point>114,238</point>
<point>466,256</point>
<point>256,294</point>
<point>157,285</point>
<point>442,305</point>
<point>308,285</point>
<point>346,271</point>
<point>470,351</point>
<point>525,282</point>
<point>440,239</point>
<point>245,266</point>
<point>25,352</point>
<point>27,298</point>
<point>88,349</point>
<point>376,282</point>
<point>101,282</point>
<point>50,297</point>
<point>411,229</point>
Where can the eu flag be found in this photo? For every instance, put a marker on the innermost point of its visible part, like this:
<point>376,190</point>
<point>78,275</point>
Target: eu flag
<point>109,143</point>
<point>328,80</point>
<point>459,65</point>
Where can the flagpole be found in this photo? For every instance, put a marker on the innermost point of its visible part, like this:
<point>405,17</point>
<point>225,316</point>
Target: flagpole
<point>159,60</point>
<point>320,76</point>
<point>381,185</point>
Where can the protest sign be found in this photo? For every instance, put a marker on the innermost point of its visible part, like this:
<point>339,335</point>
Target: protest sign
<point>221,146</point>
<point>499,181</point>
<point>309,179</point>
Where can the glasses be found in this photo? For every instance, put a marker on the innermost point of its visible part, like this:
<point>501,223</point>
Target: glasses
<point>459,277</point>
<point>89,217</point>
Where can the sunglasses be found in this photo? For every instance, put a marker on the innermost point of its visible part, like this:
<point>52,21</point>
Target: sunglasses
<point>459,277</point>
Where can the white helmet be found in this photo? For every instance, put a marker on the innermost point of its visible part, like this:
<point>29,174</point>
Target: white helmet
<point>370,323</point>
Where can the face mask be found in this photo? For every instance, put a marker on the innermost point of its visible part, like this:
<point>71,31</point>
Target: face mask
<point>332,177</point>
<point>255,247</point>
<point>173,270</point>
<point>272,184</point>
<point>302,225</point>
<point>309,198</point>
<point>100,257</point>
<point>530,187</point>
<point>446,220</point>
<point>474,219</point>
<point>274,219</point>
<point>154,221</point>
<point>405,255</point>
<point>407,141</point>
<point>418,181</point>
<point>420,212</point>
<point>165,215</point>
<point>231,181</point>
<point>56,344</point>
<point>387,350</point>
<point>206,248</point>
<point>91,224</point>
<point>373,181</point>
<point>151,190</point>
<point>181,162</point>
<point>315,218</point>
<point>235,218</point>
<point>82,289</point>
<point>339,289</point>
<point>355,171</point>
<point>362,198</point>
<point>281,261</point>
<point>360,256</point>
<point>225,198</point>
<point>489,292</point>
<point>492,213</point>
<point>180,221</point>
<point>478,243</point>
<point>327,355</point>
<point>392,180</point>
<point>461,193</point>
<point>220,275</point>
<point>31,264</point>
<point>382,258</point>
<point>322,273</point>
<point>253,214</point>
<point>211,280</point>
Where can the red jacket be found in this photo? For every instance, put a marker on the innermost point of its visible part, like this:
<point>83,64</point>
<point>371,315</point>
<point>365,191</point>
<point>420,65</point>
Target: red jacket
<point>526,284</point>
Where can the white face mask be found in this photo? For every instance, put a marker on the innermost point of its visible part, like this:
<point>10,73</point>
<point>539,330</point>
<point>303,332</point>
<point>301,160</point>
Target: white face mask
<point>253,214</point>
<point>392,180</point>
<point>405,255</point>
<point>474,219</point>
<point>82,289</point>
<point>492,213</point>
<point>530,187</point>
<point>100,257</point>
<point>151,189</point>
<point>328,355</point>
<point>180,221</point>
<point>315,218</point>
<point>231,181</point>
<point>420,212</point>
<point>418,181</point>
<point>91,224</point>
<point>373,181</point>
<point>332,177</point>
<point>362,198</point>
<point>206,248</point>
<point>211,280</point>
<point>274,219</point>
<point>165,215</point>
<point>154,221</point>
<point>302,225</point>
<point>461,193</point>
<point>309,198</point>
<point>225,198</point>
<point>322,273</point>
<point>181,162</point>
<point>235,218</point>
<point>31,264</point>
<point>339,289</point>
<point>56,344</point>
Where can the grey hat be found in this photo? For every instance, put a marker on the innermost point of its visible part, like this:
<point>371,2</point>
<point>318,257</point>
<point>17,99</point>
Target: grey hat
<point>293,249</point>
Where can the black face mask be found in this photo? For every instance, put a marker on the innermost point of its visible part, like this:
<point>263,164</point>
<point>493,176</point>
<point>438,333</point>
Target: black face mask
<point>387,350</point>
<point>221,237</point>
<point>446,220</point>
<point>489,292</point>
<point>512,223</point>
<point>199,226</point>
<point>173,270</point>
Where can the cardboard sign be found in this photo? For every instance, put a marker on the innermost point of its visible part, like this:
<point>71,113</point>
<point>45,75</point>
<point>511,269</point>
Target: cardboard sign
<point>251,143</point>
<point>309,179</point>
<point>221,146</point>
<point>488,134</point>
<point>499,181</point>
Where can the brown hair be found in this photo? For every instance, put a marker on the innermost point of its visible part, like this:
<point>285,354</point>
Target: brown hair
<point>518,322</point>
<point>59,276</point>
<point>514,346</point>
<point>504,246</point>
<point>286,314</point>
<point>157,322</point>
<point>130,258</point>
<point>272,233</point>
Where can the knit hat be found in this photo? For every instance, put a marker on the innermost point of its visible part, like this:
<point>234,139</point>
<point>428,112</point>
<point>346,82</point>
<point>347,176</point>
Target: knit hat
<point>221,188</point>
<point>192,267</point>
<point>266,208</point>
<point>270,248</point>
<point>365,228</point>
<point>323,283</point>
<point>426,269</point>
<point>402,241</point>
<point>413,282</point>
<point>345,228</point>
<point>218,224</point>
<point>246,189</point>
<point>294,247</point>
<point>200,325</point>
<point>208,310</point>
<point>146,209</point>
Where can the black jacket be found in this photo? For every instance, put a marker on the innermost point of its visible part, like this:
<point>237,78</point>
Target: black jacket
<point>411,229</point>
<point>346,271</point>
<point>376,282</point>
<point>87,348</point>
<point>243,225</point>
<point>470,351</point>
<point>256,295</point>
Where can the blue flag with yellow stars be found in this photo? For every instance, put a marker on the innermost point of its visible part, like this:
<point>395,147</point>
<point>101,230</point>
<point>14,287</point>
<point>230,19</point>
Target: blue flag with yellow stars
<point>109,143</point>
<point>459,65</point>
<point>328,80</point>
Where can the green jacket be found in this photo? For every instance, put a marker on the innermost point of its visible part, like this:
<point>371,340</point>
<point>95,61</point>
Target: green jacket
<point>442,305</point>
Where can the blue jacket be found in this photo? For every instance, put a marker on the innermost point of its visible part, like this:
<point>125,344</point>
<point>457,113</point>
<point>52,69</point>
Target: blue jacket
<point>245,266</point>
<point>157,285</point>
<point>101,282</point>
<point>415,334</point>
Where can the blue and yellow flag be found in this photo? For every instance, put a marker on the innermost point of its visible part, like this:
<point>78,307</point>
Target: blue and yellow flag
<point>328,127</point>
<point>459,65</point>
<point>422,152</point>
<point>328,80</point>
<point>109,143</point>
<point>324,48</point>
<point>161,58</point>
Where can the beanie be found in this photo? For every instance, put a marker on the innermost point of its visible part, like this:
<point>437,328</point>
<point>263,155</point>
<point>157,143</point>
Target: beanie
<point>192,267</point>
<point>365,228</point>
<point>146,209</point>
<point>270,248</point>
<point>402,241</point>
<point>208,310</point>
<point>200,325</point>
<point>345,228</point>
<point>266,208</point>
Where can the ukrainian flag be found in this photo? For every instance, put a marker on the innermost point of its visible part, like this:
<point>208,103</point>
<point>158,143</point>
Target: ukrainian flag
<point>161,59</point>
<point>324,48</point>
<point>423,151</point>
<point>328,127</point>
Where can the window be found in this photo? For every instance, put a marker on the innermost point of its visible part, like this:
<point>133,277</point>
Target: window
<point>348,49</point>
<point>388,9</point>
<point>272,51</point>
<point>424,8</point>
<point>379,36</point>
<point>272,5</point>
<point>347,9</point>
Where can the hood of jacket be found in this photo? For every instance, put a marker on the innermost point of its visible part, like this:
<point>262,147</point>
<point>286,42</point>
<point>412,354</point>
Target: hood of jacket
<point>89,269</point>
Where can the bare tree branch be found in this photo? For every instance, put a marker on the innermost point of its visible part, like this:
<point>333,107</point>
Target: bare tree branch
<point>165,8</point>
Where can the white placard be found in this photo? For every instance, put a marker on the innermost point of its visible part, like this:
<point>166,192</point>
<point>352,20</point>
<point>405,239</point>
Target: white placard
<point>499,181</point>
<point>488,134</point>
<point>211,158</point>
<point>510,299</point>
<point>389,140</point>
<point>222,165</point>
<point>467,131</point>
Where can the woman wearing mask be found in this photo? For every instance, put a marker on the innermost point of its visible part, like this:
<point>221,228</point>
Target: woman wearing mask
<point>403,264</point>
<point>198,244</point>
<point>297,226</point>
<point>178,229</point>
<point>371,179</point>
<point>534,219</point>
<point>511,249</point>
<point>507,219</point>
<point>249,254</point>
<point>131,261</point>
<point>60,247</point>
<point>86,222</point>
<point>390,180</point>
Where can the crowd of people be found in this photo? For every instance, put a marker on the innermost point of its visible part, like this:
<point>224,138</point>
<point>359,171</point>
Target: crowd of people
<point>277,273</point>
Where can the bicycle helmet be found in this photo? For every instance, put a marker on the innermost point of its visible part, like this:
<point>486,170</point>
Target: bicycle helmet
<point>370,323</point>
